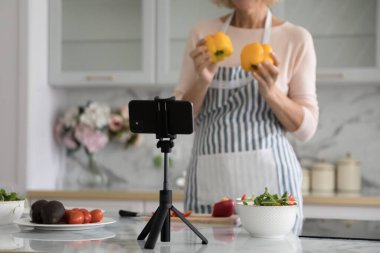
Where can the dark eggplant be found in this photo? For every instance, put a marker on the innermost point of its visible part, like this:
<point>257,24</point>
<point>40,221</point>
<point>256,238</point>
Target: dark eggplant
<point>35,210</point>
<point>52,212</point>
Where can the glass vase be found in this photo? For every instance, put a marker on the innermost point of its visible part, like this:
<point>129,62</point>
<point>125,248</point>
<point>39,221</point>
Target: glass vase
<point>92,174</point>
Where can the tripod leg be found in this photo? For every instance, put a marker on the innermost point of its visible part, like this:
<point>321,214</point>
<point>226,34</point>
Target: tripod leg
<point>156,228</point>
<point>147,227</point>
<point>178,213</point>
<point>165,232</point>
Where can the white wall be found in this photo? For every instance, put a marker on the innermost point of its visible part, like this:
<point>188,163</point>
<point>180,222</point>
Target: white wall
<point>9,53</point>
<point>42,157</point>
<point>29,157</point>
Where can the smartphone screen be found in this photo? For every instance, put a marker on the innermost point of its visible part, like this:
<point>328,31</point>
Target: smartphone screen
<point>144,116</point>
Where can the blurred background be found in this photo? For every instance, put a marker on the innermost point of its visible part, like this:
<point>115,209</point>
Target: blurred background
<point>61,60</point>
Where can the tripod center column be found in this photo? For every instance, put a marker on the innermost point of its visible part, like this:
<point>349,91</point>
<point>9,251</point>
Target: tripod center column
<point>166,198</point>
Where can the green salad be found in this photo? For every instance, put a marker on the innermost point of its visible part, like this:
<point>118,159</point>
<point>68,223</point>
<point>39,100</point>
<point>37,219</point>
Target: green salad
<point>12,196</point>
<point>267,199</point>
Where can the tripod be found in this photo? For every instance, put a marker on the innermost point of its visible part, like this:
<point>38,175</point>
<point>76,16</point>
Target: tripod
<point>160,221</point>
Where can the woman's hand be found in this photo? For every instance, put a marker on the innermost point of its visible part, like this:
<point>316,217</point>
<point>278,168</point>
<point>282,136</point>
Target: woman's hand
<point>266,76</point>
<point>204,67</point>
<point>289,113</point>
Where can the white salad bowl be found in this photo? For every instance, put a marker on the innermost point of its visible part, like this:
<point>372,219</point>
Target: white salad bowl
<point>11,211</point>
<point>267,221</point>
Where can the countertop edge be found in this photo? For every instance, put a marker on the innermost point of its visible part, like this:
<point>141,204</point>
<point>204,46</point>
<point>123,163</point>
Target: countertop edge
<point>368,201</point>
<point>101,195</point>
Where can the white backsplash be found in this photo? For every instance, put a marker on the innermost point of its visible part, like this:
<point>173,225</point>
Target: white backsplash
<point>349,122</point>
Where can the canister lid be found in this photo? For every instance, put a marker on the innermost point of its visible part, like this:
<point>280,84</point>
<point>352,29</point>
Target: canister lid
<point>348,160</point>
<point>323,165</point>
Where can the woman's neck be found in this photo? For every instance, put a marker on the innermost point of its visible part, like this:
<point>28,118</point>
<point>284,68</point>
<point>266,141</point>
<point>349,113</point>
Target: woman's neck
<point>254,18</point>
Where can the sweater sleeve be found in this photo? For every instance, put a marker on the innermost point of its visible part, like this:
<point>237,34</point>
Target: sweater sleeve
<point>302,87</point>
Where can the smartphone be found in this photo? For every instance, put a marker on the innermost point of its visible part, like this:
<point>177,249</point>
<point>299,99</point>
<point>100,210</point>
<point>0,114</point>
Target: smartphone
<point>144,116</point>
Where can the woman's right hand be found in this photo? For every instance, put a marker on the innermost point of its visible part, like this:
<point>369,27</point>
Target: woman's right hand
<point>204,67</point>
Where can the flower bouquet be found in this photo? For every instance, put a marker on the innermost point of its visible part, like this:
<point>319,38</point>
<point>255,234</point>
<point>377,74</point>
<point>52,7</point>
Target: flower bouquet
<point>90,128</point>
<point>119,129</point>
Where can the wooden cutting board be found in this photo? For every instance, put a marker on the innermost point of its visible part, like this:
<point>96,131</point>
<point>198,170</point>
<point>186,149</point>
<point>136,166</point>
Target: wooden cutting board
<point>233,220</point>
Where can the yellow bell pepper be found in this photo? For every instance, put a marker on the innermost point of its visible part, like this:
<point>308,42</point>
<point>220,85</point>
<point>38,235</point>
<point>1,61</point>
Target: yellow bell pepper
<point>254,54</point>
<point>219,45</point>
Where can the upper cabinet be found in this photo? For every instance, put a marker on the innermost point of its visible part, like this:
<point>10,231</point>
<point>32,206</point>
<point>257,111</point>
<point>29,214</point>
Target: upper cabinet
<point>141,42</point>
<point>346,36</point>
<point>101,42</point>
<point>121,42</point>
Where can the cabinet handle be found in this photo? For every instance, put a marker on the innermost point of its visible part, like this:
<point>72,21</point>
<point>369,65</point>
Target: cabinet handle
<point>330,75</point>
<point>99,78</point>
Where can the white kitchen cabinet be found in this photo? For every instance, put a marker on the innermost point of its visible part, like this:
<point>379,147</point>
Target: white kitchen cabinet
<point>346,36</point>
<point>129,42</point>
<point>101,42</point>
<point>121,42</point>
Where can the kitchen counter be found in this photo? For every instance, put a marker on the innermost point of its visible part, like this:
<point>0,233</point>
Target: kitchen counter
<point>121,237</point>
<point>333,199</point>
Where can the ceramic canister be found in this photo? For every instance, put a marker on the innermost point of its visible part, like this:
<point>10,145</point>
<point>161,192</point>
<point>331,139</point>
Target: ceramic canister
<point>323,177</point>
<point>306,181</point>
<point>348,175</point>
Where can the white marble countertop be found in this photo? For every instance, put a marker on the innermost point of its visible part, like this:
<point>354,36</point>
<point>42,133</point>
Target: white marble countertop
<point>121,237</point>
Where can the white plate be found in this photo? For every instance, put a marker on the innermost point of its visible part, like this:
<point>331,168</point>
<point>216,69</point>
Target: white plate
<point>25,222</point>
<point>63,236</point>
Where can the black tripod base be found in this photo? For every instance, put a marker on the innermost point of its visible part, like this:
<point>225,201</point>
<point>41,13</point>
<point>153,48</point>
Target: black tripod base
<point>160,222</point>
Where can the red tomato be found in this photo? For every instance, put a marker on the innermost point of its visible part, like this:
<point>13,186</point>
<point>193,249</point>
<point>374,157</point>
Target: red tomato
<point>75,209</point>
<point>66,216</point>
<point>188,213</point>
<point>87,216</point>
<point>243,197</point>
<point>96,215</point>
<point>75,217</point>
<point>79,244</point>
<point>185,214</point>
<point>291,200</point>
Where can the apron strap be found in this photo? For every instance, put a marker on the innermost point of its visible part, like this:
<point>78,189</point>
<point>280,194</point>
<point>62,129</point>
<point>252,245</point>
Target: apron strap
<point>227,22</point>
<point>267,27</point>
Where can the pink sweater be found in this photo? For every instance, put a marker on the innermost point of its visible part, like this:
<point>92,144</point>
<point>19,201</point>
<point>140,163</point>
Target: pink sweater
<point>293,46</point>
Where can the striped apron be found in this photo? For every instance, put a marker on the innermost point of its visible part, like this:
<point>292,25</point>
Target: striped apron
<point>239,145</point>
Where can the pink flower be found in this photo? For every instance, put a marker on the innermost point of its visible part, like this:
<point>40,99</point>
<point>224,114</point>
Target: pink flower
<point>69,142</point>
<point>115,123</point>
<point>92,139</point>
<point>58,130</point>
<point>125,112</point>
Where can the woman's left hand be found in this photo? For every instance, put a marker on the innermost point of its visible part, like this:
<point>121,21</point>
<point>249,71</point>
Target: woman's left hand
<point>266,76</point>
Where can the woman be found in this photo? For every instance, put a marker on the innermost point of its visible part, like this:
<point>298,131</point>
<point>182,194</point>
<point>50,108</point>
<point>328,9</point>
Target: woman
<point>242,118</point>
